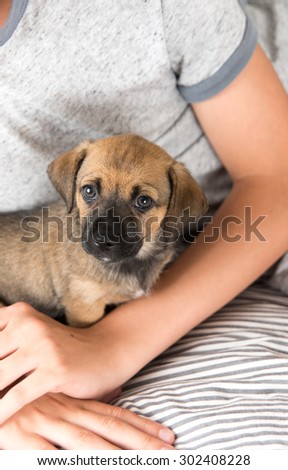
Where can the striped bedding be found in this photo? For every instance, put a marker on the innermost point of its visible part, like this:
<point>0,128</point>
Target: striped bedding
<point>225,385</point>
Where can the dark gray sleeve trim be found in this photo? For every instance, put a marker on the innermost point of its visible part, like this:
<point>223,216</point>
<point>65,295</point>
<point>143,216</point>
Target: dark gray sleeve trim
<point>16,13</point>
<point>226,74</point>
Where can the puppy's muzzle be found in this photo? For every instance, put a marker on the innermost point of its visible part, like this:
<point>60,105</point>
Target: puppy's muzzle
<point>112,236</point>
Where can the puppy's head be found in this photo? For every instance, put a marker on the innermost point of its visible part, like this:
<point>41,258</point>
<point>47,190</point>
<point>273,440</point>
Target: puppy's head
<point>125,189</point>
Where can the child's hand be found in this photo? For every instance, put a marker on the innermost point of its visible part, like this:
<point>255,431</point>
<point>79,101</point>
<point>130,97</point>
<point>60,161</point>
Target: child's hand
<point>57,421</point>
<point>49,357</point>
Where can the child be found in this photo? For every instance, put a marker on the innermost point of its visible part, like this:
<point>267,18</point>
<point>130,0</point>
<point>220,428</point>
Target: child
<point>73,70</point>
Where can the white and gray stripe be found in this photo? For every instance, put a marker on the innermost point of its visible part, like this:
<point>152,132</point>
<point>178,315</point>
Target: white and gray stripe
<point>225,384</point>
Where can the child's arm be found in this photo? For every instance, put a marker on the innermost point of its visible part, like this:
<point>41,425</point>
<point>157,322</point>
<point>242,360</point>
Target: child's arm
<point>247,124</point>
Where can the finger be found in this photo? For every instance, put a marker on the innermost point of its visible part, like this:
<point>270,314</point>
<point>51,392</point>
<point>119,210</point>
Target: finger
<point>146,425</point>
<point>8,341</point>
<point>23,441</point>
<point>120,433</point>
<point>69,436</point>
<point>13,367</point>
<point>117,431</point>
<point>24,392</point>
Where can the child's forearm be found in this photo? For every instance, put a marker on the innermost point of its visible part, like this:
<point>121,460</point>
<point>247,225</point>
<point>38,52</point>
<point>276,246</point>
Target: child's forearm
<point>227,257</point>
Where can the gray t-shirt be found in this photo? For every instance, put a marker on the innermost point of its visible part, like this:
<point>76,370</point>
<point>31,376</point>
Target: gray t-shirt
<point>73,70</point>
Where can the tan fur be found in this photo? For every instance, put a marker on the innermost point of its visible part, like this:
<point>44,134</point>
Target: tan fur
<point>56,276</point>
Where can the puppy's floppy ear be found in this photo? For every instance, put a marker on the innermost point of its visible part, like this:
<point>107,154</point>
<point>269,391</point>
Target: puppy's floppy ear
<point>185,194</point>
<point>63,172</point>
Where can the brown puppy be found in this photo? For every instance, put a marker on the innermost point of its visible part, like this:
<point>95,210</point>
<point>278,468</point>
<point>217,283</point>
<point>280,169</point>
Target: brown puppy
<point>126,210</point>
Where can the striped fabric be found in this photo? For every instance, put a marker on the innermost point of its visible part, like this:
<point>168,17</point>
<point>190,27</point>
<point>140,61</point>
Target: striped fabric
<point>224,385</point>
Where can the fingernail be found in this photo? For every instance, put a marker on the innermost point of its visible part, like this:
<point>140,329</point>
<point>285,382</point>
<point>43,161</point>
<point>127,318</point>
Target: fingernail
<point>167,448</point>
<point>166,435</point>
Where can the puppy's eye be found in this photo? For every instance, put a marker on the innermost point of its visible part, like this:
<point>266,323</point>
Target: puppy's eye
<point>144,203</point>
<point>89,192</point>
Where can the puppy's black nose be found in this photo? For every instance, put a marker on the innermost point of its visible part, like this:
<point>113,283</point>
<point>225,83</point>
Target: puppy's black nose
<point>105,239</point>
<point>112,236</point>
<point>100,241</point>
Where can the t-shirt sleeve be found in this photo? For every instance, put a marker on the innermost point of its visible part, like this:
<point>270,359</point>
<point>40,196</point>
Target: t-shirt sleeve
<point>209,42</point>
